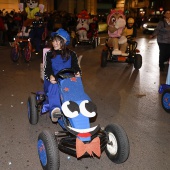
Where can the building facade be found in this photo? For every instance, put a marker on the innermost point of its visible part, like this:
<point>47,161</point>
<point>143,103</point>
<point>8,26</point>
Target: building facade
<point>131,7</point>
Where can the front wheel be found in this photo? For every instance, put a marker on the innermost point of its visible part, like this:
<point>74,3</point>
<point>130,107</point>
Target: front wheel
<point>118,147</point>
<point>137,61</point>
<point>166,100</point>
<point>14,54</point>
<point>48,151</point>
<point>104,58</point>
<point>32,109</point>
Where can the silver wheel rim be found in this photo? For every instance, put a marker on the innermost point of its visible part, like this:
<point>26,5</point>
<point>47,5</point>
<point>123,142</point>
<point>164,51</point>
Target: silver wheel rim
<point>112,146</point>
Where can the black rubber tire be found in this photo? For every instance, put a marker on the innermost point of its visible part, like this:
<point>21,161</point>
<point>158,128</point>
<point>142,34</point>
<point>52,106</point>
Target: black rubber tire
<point>165,101</point>
<point>47,146</point>
<point>137,61</point>
<point>120,141</point>
<point>27,54</point>
<point>104,58</point>
<point>14,54</point>
<point>32,110</point>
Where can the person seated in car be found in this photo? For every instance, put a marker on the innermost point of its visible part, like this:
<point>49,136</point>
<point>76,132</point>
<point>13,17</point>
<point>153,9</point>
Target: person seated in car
<point>130,29</point>
<point>57,58</point>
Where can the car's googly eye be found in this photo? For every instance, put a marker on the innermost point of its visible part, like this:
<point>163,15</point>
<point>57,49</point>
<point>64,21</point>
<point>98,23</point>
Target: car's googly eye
<point>113,19</point>
<point>88,109</point>
<point>70,109</point>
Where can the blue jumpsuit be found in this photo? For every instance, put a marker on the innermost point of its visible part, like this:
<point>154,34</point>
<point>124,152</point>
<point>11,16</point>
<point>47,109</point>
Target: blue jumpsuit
<point>36,34</point>
<point>52,90</point>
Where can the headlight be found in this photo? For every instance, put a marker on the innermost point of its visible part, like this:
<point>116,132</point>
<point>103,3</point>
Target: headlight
<point>144,25</point>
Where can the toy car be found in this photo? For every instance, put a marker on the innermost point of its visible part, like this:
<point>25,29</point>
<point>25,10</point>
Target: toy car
<point>77,138</point>
<point>132,57</point>
<point>21,47</point>
<point>92,36</point>
<point>164,89</point>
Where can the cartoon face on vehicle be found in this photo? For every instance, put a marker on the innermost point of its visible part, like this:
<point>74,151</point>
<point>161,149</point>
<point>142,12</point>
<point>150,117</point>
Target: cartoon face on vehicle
<point>80,111</point>
<point>32,3</point>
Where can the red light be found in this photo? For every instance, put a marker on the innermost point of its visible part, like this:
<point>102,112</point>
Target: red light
<point>161,9</point>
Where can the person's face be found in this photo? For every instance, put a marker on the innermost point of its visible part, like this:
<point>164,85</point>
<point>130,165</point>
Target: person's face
<point>167,14</point>
<point>37,18</point>
<point>56,44</point>
<point>130,24</point>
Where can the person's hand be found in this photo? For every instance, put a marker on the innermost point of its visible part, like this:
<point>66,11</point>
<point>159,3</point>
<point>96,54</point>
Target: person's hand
<point>52,79</point>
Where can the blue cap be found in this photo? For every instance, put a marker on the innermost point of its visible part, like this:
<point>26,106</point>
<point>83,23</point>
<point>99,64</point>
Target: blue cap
<point>63,34</point>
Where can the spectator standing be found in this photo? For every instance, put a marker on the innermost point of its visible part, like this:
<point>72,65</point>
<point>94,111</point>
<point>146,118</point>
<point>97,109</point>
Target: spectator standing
<point>2,28</point>
<point>162,32</point>
<point>12,29</point>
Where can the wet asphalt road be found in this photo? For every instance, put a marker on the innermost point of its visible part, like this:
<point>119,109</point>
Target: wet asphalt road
<point>123,95</point>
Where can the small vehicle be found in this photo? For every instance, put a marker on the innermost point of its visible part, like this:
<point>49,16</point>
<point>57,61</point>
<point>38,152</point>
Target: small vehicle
<point>150,24</point>
<point>164,89</point>
<point>21,47</point>
<point>133,56</point>
<point>77,138</point>
<point>93,39</point>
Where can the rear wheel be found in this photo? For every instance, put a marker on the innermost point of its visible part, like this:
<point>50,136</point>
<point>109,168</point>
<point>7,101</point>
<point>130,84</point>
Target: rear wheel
<point>166,100</point>
<point>104,58</point>
<point>27,54</point>
<point>48,151</point>
<point>137,61</point>
<point>32,109</point>
<point>14,54</point>
<point>117,148</point>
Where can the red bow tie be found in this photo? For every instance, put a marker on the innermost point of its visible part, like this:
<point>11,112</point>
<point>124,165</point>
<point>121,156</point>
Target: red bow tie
<point>90,148</point>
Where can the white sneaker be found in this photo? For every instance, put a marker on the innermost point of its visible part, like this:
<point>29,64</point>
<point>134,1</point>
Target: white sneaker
<point>55,114</point>
<point>125,54</point>
<point>116,52</point>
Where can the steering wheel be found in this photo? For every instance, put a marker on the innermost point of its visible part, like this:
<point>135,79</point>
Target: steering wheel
<point>65,73</point>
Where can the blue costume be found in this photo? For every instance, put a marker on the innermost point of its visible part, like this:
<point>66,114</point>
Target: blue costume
<point>57,60</point>
<point>36,33</point>
<point>52,89</point>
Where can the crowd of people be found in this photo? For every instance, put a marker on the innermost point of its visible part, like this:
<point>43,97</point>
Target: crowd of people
<point>11,23</point>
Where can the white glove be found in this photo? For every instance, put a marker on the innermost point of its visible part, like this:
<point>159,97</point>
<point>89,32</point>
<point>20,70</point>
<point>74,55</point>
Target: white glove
<point>120,23</point>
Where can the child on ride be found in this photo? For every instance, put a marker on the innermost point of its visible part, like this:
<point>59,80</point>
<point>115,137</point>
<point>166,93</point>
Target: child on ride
<point>130,29</point>
<point>58,58</point>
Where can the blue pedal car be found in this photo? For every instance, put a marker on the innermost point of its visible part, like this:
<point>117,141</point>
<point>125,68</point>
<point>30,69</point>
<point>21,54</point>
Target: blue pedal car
<point>77,138</point>
<point>164,89</point>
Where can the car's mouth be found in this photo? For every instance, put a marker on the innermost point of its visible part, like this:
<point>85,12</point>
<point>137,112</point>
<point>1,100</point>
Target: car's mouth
<point>83,132</point>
